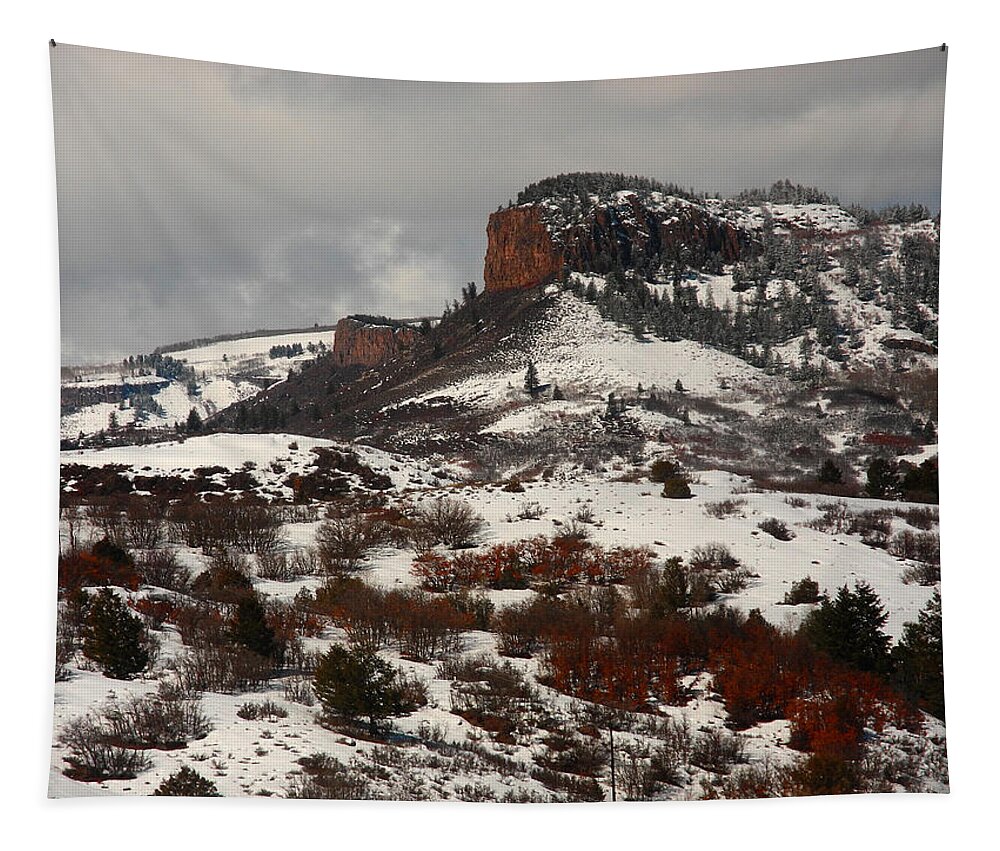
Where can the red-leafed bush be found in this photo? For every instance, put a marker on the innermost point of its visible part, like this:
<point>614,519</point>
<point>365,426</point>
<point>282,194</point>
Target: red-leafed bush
<point>104,564</point>
<point>549,564</point>
<point>155,612</point>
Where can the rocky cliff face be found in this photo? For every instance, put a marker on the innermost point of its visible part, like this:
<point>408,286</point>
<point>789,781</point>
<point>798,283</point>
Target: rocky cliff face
<point>530,245</point>
<point>358,342</point>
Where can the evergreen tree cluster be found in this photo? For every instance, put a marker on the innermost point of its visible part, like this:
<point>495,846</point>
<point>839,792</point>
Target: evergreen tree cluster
<point>583,184</point>
<point>907,286</point>
<point>286,351</point>
<point>785,192</point>
<point>161,365</point>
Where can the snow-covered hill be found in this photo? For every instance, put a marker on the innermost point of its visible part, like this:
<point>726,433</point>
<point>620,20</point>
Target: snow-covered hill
<point>224,373</point>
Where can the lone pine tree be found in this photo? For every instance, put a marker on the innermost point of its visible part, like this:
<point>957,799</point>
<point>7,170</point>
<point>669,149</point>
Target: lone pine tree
<point>849,628</point>
<point>531,382</point>
<point>357,685</point>
<point>113,637</point>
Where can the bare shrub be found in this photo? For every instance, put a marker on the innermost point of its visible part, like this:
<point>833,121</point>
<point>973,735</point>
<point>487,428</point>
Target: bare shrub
<point>161,721</point>
<point>265,710</point>
<point>797,502</point>
<point>161,569</point>
<point>718,750</point>
<point>776,528</point>
<point>874,527</point>
<point>324,776</point>
<point>920,517</point>
<point>299,690</point>
<point>275,566</point>
<point>108,516</point>
<point>835,517</point>
<point>449,522</point>
<point>924,547</point>
<point>144,526</point>
<point>714,556</point>
<point>66,643</point>
<point>725,508</point>
<point>227,578</point>
<point>573,755</point>
<point>93,757</point>
<point>305,562</point>
<point>530,511</point>
<point>424,626</point>
<point>922,574</point>
<point>343,543</point>
<point>247,524</point>
<point>360,610</point>
<point>226,669</point>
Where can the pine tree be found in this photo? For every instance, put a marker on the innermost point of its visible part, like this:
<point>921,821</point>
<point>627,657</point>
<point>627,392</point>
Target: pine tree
<point>883,479</point>
<point>849,628</point>
<point>113,637</point>
<point>830,473</point>
<point>250,628</point>
<point>194,422</point>
<point>919,659</point>
<point>531,382</point>
<point>187,783</point>
<point>353,684</point>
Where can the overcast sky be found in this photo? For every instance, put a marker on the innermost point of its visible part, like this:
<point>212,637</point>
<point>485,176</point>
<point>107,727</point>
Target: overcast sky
<point>197,199</point>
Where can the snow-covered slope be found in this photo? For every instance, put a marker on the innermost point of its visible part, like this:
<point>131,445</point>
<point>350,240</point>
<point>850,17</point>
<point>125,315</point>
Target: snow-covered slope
<point>225,372</point>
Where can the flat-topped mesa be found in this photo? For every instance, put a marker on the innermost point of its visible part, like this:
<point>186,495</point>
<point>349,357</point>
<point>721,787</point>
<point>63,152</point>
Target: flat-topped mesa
<point>533,243</point>
<point>369,341</point>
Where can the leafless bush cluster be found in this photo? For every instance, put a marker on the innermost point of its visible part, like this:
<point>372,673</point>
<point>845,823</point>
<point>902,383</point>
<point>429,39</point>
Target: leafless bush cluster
<point>422,626</point>
<point>874,527</point>
<point>221,668</point>
<point>161,569</point>
<point>776,528</point>
<point>161,721</point>
<point>93,756</point>
<point>725,508</point>
<point>246,524</point>
<point>324,776</point>
<point>264,710</point>
<point>919,517</point>
<point>924,548</point>
<point>275,566</point>
<point>717,750</point>
<point>343,543</point>
<point>446,522</point>
<point>109,743</point>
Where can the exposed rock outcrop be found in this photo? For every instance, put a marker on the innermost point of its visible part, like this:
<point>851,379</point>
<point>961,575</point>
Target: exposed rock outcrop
<point>367,343</point>
<point>531,244</point>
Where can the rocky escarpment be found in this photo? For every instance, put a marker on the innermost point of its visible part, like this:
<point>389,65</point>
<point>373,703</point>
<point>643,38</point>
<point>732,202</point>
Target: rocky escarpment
<point>531,244</point>
<point>367,342</point>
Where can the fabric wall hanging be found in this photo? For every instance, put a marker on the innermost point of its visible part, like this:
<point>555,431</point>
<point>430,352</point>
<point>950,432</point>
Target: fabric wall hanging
<point>641,506</point>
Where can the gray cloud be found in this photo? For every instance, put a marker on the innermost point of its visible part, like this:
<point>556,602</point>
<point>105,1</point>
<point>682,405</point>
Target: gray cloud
<point>197,198</point>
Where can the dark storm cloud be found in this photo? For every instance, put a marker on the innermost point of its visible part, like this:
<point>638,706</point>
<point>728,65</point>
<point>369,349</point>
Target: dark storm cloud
<point>197,199</point>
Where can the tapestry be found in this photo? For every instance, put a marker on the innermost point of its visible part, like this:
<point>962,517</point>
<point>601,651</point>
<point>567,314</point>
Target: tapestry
<point>498,442</point>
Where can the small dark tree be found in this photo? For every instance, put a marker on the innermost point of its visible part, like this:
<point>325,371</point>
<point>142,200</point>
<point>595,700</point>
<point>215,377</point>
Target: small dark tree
<point>557,393</point>
<point>830,473</point>
<point>883,479</point>
<point>113,637</point>
<point>531,382</point>
<point>194,422</point>
<point>187,783</point>
<point>849,628</point>
<point>919,659</point>
<point>354,684</point>
<point>250,628</point>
